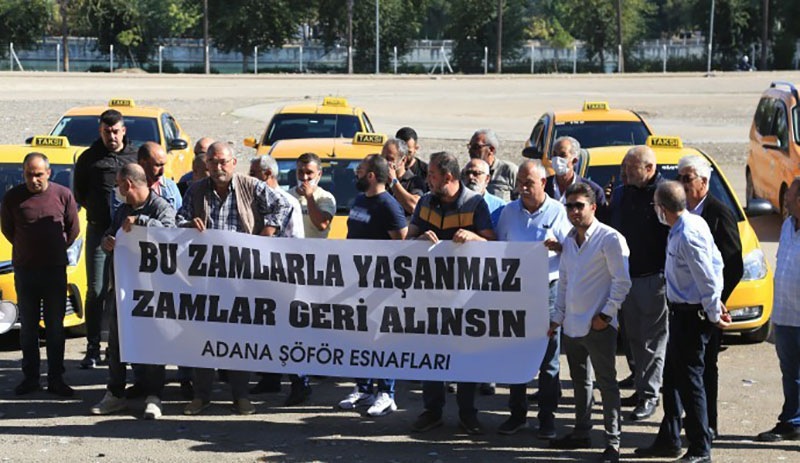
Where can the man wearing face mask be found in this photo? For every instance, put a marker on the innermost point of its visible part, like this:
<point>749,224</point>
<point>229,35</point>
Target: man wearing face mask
<point>563,158</point>
<point>375,215</point>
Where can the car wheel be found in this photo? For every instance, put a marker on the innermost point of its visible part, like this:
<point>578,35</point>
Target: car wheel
<point>749,191</point>
<point>759,334</point>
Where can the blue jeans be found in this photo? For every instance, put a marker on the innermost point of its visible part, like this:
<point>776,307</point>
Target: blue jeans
<point>96,285</point>
<point>383,385</point>
<point>787,345</point>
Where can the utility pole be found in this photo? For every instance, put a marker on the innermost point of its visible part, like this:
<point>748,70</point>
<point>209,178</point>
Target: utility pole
<point>206,59</point>
<point>499,64</point>
<point>62,8</point>
<point>710,37</point>
<point>377,37</point>
<point>762,65</point>
<point>349,36</point>
<point>619,37</point>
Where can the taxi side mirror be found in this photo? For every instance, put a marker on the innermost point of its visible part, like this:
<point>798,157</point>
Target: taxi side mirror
<point>771,142</point>
<point>757,206</point>
<point>178,144</point>
<point>532,152</point>
<point>250,142</point>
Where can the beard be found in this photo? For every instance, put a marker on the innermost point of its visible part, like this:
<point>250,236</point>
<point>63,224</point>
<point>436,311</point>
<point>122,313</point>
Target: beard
<point>362,184</point>
<point>473,185</point>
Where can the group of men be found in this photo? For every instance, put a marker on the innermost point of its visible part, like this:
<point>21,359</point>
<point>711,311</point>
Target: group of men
<point>652,257</point>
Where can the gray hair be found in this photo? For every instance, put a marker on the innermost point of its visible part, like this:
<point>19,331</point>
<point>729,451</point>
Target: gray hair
<point>267,164</point>
<point>484,165</point>
<point>643,154</point>
<point>699,164</point>
<point>574,145</point>
<point>491,138</point>
<point>537,166</point>
<point>401,145</point>
<point>671,195</point>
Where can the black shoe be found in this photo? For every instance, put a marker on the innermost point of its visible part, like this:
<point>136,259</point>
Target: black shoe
<point>297,396</point>
<point>452,387</point>
<point>570,441</point>
<point>27,386</point>
<point>487,388</point>
<point>60,389</point>
<point>644,410</point>
<point>631,401</point>
<point>627,383</point>
<point>265,386</point>
<point>610,455</point>
<point>512,425</point>
<point>470,425</point>
<point>694,459</point>
<point>547,429</point>
<point>91,359</point>
<point>781,431</point>
<point>187,390</point>
<point>658,451</point>
<point>426,421</point>
<point>135,391</point>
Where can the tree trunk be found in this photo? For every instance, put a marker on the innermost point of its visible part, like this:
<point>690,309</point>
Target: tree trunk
<point>62,5</point>
<point>499,64</point>
<point>245,57</point>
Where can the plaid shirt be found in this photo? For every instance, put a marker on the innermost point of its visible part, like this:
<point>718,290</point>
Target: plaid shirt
<point>786,308</point>
<point>222,214</point>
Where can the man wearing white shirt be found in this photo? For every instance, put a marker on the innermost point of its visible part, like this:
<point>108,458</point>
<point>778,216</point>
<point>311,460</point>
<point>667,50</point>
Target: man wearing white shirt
<point>265,169</point>
<point>593,282</point>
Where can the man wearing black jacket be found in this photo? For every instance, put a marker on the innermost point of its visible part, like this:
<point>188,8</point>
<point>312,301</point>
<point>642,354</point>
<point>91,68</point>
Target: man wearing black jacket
<point>95,179</point>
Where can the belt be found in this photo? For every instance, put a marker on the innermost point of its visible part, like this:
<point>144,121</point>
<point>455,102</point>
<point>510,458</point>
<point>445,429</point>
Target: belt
<point>681,306</point>
<point>645,275</point>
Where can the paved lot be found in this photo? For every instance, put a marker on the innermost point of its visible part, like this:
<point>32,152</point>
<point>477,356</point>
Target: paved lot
<point>713,113</point>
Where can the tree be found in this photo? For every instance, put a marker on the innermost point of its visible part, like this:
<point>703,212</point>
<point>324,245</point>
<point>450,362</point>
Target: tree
<point>23,22</point>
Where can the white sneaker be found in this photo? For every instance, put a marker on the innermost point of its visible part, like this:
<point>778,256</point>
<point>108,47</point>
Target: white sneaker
<point>356,399</point>
<point>109,404</point>
<point>382,406</point>
<point>152,408</point>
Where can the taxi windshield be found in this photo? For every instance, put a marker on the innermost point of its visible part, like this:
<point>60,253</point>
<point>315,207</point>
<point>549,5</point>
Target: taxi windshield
<point>603,133</point>
<point>84,130</point>
<point>716,187</point>
<point>338,178</point>
<point>293,126</point>
<point>11,176</point>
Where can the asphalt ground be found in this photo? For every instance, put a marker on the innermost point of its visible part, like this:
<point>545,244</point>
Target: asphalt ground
<point>712,113</point>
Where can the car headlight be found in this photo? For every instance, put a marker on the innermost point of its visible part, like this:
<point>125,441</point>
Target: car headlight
<point>74,252</point>
<point>755,266</point>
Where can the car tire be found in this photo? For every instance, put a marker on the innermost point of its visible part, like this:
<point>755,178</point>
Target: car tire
<point>758,335</point>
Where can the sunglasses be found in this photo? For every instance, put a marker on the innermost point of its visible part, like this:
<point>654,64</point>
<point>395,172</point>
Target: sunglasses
<point>576,205</point>
<point>475,173</point>
<point>686,178</point>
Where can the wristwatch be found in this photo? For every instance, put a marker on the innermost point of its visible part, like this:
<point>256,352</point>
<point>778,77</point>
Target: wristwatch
<point>394,182</point>
<point>606,318</point>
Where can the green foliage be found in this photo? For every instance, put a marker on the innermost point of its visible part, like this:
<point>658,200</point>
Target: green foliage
<point>22,22</point>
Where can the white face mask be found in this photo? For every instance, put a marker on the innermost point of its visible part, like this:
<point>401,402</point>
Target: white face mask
<point>118,195</point>
<point>662,216</point>
<point>560,166</point>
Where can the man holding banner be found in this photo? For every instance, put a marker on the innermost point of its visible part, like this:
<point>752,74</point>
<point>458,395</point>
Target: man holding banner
<point>236,202</point>
<point>593,282</point>
<point>375,215</point>
<point>449,211</point>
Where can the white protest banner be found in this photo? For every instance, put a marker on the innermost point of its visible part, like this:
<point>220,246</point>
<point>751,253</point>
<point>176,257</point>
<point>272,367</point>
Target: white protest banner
<point>353,308</point>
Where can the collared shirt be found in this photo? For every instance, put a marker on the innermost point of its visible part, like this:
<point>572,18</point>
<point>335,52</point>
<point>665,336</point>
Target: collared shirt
<point>698,210</point>
<point>593,278</point>
<point>168,189</point>
<point>786,307</point>
<point>557,190</point>
<point>294,226</point>
<point>502,179</point>
<point>549,221</point>
<point>693,269</point>
<point>495,205</point>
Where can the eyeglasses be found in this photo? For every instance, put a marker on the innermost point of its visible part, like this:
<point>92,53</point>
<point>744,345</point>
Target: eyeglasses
<point>686,178</point>
<point>576,205</point>
<point>476,146</point>
<point>475,173</point>
<point>219,162</point>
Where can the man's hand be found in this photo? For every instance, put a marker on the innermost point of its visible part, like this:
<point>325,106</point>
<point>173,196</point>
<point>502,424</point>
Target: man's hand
<point>552,330</point>
<point>199,224</point>
<point>552,245</point>
<point>108,243</point>
<point>609,189</point>
<point>430,236</point>
<point>598,324</point>
<point>462,236</point>
<point>725,319</point>
<point>392,172</point>
<point>128,223</point>
<point>306,189</point>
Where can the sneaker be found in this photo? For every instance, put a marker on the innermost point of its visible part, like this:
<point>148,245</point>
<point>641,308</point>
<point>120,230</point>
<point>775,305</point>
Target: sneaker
<point>60,388</point>
<point>243,407</point>
<point>91,359</point>
<point>383,405</point>
<point>152,408</point>
<point>470,425</point>
<point>426,421</point>
<point>487,388</point>
<point>781,431</point>
<point>297,396</point>
<point>196,406</point>
<point>610,455</point>
<point>356,399</point>
<point>512,425</point>
<point>109,404</point>
<point>27,386</point>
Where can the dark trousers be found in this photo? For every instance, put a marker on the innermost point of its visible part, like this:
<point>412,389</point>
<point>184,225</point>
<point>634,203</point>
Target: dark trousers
<point>96,285</point>
<point>711,375</point>
<point>684,389</point>
<point>549,386</point>
<point>433,396</point>
<point>152,376</point>
<point>41,287</point>
<point>298,381</point>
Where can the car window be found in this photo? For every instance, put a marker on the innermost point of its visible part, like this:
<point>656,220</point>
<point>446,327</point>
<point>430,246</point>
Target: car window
<point>781,124</point>
<point>338,177</point>
<point>716,187</point>
<point>765,115</point>
<point>84,130</point>
<point>11,176</point>
<point>170,131</point>
<point>368,123</point>
<point>603,133</point>
<point>293,126</point>
<point>536,134</point>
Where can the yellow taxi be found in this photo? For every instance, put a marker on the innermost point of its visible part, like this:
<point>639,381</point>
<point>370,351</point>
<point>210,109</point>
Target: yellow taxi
<point>595,124</point>
<point>334,118</point>
<point>750,304</point>
<point>62,160</point>
<point>774,154</point>
<point>143,123</point>
<point>340,158</point>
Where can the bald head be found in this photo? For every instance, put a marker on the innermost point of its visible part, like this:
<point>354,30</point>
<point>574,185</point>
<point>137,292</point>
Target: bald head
<point>202,145</point>
<point>640,165</point>
<point>152,157</point>
<point>671,196</point>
